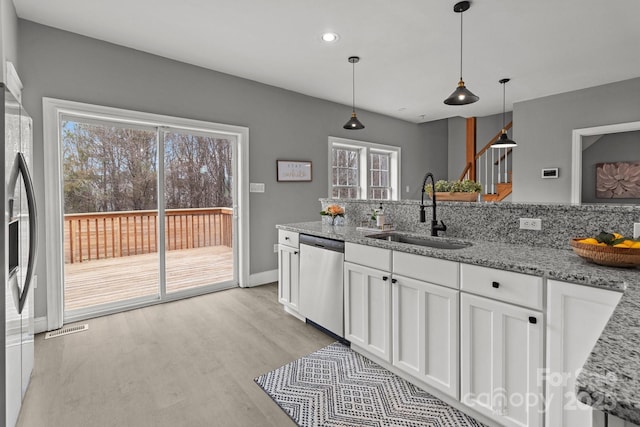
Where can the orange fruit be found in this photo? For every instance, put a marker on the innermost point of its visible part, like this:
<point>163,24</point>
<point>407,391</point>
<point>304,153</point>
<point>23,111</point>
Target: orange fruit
<point>620,245</point>
<point>635,245</point>
<point>589,240</point>
<point>617,236</point>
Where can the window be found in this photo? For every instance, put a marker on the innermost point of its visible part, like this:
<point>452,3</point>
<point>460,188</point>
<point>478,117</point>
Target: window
<point>345,173</point>
<point>363,170</point>
<point>379,171</point>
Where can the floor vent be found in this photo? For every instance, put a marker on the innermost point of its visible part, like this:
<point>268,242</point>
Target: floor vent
<point>66,331</point>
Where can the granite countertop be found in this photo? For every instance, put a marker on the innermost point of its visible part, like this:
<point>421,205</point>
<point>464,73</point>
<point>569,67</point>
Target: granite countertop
<point>610,379</point>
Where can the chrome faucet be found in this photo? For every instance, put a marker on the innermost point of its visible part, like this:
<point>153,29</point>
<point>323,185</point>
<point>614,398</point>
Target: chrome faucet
<point>435,227</point>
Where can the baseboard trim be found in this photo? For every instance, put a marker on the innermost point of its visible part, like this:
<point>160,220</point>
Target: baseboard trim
<point>40,324</point>
<point>262,278</point>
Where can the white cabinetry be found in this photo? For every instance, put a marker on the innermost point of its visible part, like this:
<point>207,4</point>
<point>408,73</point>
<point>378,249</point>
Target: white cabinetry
<point>288,270</point>
<point>576,316</point>
<point>425,320</point>
<point>367,299</point>
<point>501,345</point>
<point>602,420</point>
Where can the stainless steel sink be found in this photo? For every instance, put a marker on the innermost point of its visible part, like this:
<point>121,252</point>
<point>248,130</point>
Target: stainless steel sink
<point>434,242</point>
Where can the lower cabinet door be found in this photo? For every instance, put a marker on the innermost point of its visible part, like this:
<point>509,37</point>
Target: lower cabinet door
<point>576,316</point>
<point>367,305</point>
<point>501,360</point>
<point>288,276</point>
<point>425,332</point>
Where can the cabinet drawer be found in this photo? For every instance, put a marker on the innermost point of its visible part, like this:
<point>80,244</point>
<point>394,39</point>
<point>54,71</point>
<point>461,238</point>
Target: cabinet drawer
<point>432,270</point>
<point>369,256</point>
<point>516,288</point>
<point>289,238</point>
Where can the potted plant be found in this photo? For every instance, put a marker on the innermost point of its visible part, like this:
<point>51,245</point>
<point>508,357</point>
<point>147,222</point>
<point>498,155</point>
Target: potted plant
<point>463,191</point>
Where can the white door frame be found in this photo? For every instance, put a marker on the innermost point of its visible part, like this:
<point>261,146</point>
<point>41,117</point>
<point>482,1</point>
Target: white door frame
<point>53,109</point>
<point>576,152</point>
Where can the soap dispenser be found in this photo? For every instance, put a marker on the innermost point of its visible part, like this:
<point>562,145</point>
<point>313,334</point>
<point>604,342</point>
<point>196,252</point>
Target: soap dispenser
<point>380,216</point>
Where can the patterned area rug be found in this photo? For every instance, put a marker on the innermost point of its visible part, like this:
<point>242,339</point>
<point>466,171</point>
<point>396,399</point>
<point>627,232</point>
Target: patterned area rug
<point>336,386</point>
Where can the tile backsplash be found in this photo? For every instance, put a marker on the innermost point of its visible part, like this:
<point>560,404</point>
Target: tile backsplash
<point>499,222</point>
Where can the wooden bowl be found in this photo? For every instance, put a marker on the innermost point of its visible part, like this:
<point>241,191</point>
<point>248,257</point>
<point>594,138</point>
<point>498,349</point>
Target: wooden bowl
<point>606,255</point>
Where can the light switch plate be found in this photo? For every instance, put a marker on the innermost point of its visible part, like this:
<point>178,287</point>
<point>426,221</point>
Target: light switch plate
<point>636,230</point>
<point>256,187</point>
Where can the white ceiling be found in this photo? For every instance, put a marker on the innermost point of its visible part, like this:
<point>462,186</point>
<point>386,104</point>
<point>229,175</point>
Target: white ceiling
<point>409,49</point>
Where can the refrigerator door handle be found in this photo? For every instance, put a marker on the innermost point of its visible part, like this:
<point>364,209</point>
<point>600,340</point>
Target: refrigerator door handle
<point>20,168</point>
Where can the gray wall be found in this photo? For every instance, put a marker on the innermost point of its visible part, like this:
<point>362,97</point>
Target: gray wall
<point>542,129</point>
<point>434,136</point>
<point>457,147</point>
<point>8,35</point>
<point>282,124</point>
<point>615,147</point>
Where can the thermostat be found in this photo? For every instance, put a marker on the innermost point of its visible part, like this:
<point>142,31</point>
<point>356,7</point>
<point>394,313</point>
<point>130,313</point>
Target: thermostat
<point>550,173</point>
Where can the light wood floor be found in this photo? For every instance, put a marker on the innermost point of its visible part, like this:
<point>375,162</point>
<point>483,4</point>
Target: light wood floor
<point>184,363</point>
<point>117,279</point>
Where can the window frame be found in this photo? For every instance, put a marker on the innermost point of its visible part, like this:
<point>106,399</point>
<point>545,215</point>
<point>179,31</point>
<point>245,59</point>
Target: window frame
<point>364,148</point>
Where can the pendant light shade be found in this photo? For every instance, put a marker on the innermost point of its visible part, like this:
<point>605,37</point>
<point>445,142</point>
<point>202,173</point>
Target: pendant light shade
<point>504,141</point>
<point>353,122</point>
<point>462,95</point>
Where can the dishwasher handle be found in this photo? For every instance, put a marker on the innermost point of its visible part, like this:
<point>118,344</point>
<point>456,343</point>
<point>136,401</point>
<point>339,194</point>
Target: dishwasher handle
<point>322,243</point>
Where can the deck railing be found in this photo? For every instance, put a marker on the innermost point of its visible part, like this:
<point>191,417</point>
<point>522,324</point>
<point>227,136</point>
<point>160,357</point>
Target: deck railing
<point>99,235</point>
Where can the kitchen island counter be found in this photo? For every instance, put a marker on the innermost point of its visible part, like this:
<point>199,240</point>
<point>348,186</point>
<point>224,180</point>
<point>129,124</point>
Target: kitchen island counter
<point>610,379</point>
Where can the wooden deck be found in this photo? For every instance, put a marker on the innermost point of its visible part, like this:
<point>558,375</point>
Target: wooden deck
<point>117,279</point>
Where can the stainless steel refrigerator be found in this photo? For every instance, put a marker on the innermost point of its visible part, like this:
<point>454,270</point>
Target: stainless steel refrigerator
<point>18,239</point>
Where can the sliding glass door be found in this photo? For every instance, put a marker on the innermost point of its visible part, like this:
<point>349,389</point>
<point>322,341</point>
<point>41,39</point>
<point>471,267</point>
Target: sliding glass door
<point>110,174</point>
<point>198,200</point>
<point>148,213</point>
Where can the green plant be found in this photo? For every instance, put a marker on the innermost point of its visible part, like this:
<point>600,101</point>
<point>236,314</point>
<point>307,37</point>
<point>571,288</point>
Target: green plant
<point>457,186</point>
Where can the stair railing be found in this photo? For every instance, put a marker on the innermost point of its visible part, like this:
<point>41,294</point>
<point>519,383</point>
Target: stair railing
<point>486,161</point>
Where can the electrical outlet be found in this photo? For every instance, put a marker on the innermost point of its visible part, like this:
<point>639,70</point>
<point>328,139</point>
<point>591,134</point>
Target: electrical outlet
<point>530,224</point>
<point>636,230</point>
<point>275,248</point>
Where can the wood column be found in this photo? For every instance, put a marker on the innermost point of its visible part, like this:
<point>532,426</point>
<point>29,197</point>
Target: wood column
<point>471,146</point>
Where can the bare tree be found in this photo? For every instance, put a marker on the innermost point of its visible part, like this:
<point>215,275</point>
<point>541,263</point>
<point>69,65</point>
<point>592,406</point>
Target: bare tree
<point>113,168</point>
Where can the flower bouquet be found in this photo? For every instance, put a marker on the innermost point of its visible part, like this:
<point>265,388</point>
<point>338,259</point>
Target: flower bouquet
<point>333,211</point>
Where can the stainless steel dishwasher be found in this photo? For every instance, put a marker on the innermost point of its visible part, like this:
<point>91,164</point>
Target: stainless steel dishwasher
<point>321,283</point>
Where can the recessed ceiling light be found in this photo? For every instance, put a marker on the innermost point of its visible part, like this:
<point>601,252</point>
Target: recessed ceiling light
<point>330,37</point>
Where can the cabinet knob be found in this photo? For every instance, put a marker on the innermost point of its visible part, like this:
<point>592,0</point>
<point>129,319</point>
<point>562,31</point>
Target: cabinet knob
<point>495,284</point>
<point>394,280</point>
<point>533,320</point>
<point>295,252</point>
<point>385,278</point>
<point>286,238</point>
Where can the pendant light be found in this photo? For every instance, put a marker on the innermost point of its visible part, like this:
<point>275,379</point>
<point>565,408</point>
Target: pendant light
<point>353,122</point>
<point>462,95</point>
<point>504,141</point>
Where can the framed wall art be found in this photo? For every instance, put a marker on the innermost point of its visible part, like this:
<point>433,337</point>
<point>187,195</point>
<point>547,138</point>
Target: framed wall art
<point>293,170</point>
<point>618,180</point>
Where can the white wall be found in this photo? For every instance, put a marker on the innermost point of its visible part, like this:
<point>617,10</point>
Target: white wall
<point>543,126</point>
<point>8,36</point>
<point>282,124</point>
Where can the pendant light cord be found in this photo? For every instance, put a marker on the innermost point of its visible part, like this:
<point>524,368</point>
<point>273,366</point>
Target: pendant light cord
<point>461,13</point>
<point>353,86</point>
<point>503,104</point>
